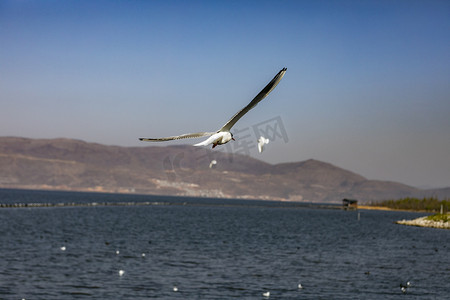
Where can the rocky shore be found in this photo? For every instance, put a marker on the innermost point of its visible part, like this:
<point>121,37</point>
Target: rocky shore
<point>425,222</point>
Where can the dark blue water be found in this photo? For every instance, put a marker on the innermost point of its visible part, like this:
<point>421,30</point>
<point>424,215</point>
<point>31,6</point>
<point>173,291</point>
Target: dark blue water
<point>213,251</point>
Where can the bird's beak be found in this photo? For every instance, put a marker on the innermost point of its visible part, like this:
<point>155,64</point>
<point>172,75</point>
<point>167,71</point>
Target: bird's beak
<point>233,138</point>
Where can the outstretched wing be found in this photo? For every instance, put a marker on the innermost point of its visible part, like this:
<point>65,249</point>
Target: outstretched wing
<point>265,91</point>
<point>177,137</point>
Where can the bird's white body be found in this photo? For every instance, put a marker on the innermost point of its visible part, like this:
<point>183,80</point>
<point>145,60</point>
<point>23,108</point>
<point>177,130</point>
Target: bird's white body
<point>218,138</point>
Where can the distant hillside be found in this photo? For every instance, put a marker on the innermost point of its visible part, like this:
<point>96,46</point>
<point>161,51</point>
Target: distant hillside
<point>67,164</point>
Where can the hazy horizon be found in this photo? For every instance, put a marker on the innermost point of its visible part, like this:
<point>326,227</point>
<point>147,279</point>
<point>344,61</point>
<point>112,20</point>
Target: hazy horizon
<point>366,87</point>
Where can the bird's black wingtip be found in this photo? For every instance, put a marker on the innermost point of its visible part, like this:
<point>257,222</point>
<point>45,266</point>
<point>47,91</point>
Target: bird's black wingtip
<point>141,139</point>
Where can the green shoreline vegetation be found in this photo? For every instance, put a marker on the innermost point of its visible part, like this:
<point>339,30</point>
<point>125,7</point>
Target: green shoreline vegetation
<point>428,204</point>
<point>440,218</point>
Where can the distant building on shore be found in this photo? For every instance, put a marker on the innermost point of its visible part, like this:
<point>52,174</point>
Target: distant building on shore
<point>349,204</point>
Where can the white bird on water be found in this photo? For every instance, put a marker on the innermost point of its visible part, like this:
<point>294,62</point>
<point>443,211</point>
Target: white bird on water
<point>403,287</point>
<point>223,135</point>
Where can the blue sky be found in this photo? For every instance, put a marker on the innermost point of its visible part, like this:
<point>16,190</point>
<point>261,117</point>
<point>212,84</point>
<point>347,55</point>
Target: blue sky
<point>367,86</point>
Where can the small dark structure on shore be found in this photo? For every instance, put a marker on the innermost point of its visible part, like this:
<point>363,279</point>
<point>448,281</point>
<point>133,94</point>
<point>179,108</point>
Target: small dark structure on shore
<point>349,204</point>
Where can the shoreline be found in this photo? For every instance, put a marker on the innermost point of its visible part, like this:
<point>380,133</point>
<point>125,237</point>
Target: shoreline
<point>419,222</point>
<point>423,222</point>
<point>369,207</point>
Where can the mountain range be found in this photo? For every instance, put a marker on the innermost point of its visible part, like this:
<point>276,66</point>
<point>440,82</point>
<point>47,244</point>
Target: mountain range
<point>67,164</point>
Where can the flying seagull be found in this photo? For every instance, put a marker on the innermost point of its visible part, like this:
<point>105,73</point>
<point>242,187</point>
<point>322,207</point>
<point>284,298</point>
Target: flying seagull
<point>223,135</point>
<point>213,164</point>
<point>261,142</point>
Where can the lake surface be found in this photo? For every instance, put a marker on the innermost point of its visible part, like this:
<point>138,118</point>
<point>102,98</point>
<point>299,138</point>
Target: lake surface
<point>212,249</point>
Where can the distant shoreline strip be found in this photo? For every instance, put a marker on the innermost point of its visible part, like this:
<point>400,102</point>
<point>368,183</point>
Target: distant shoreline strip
<point>91,204</point>
<point>160,203</point>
